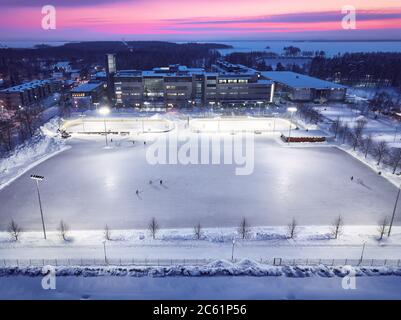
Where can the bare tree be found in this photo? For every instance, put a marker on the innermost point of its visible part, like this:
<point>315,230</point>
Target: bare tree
<point>107,233</point>
<point>6,128</point>
<point>153,227</point>
<point>345,132</point>
<point>63,228</point>
<point>380,150</point>
<point>367,143</point>
<point>395,158</point>
<point>292,228</point>
<point>357,132</point>
<point>337,227</point>
<point>15,230</point>
<point>335,126</point>
<point>198,231</point>
<point>382,227</point>
<point>244,228</point>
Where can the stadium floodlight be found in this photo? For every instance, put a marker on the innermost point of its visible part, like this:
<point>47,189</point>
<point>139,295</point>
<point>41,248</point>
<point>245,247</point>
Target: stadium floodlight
<point>292,110</point>
<point>38,178</point>
<point>104,111</point>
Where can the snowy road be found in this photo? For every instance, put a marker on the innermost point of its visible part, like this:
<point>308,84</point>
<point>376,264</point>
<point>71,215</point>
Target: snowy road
<point>89,186</point>
<point>200,288</point>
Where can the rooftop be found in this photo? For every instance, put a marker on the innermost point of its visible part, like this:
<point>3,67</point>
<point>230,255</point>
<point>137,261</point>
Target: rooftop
<point>300,81</point>
<point>87,87</point>
<point>26,86</point>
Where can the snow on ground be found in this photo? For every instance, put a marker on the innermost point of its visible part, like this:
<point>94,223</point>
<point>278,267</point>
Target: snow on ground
<point>313,242</point>
<point>381,128</point>
<point>89,186</point>
<point>37,150</point>
<point>200,288</point>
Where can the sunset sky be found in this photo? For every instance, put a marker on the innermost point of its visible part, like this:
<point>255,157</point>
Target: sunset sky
<point>199,20</point>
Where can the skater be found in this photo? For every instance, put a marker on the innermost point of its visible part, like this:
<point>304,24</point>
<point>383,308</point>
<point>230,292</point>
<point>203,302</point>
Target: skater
<point>352,178</point>
<point>111,140</point>
<point>161,181</point>
<point>150,181</point>
<point>133,142</point>
<point>137,192</point>
<point>144,142</point>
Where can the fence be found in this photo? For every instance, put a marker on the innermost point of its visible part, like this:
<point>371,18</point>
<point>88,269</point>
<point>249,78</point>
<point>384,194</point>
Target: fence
<point>194,262</point>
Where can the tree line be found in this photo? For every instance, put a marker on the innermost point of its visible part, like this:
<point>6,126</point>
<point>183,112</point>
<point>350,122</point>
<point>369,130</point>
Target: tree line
<point>244,229</point>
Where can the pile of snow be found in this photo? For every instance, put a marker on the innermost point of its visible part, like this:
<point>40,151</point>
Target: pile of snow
<point>45,144</point>
<point>216,268</point>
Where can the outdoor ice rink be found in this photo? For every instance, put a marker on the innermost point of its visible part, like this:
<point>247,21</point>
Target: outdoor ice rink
<point>89,186</point>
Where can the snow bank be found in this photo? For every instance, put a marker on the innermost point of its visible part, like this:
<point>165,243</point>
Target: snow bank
<point>39,148</point>
<point>216,268</point>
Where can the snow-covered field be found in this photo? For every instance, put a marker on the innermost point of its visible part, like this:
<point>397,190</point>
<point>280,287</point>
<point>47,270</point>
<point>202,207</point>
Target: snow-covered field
<point>89,186</point>
<point>266,243</point>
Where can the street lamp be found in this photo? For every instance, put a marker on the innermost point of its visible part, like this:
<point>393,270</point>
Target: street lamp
<point>37,179</point>
<point>104,250</point>
<point>104,111</point>
<point>394,210</point>
<point>292,110</point>
<point>82,116</point>
<point>232,250</point>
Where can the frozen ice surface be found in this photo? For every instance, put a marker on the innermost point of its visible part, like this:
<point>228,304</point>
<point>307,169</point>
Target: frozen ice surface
<point>89,186</point>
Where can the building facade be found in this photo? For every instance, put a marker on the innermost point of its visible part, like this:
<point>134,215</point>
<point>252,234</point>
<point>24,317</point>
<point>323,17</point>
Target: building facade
<point>299,87</point>
<point>26,94</point>
<point>85,95</point>
<point>179,86</point>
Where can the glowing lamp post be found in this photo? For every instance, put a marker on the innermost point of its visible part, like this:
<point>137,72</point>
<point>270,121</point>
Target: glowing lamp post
<point>104,111</point>
<point>292,110</point>
<point>37,179</point>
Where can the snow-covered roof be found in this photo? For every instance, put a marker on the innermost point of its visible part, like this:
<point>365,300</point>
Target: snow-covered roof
<point>300,81</point>
<point>26,86</point>
<point>87,87</point>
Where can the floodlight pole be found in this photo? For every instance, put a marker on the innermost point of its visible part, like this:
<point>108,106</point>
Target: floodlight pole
<point>105,132</point>
<point>289,133</point>
<point>104,250</point>
<point>36,178</point>
<point>232,250</point>
<point>394,210</point>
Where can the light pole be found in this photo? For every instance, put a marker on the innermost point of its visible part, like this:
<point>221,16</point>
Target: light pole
<point>37,179</point>
<point>292,110</point>
<point>232,250</point>
<point>82,116</point>
<point>105,253</point>
<point>363,251</point>
<point>394,210</point>
<point>104,111</point>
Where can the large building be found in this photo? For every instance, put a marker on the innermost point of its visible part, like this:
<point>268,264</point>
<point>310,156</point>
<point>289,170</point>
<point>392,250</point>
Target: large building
<point>26,94</point>
<point>87,94</point>
<point>299,87</point>
<point>179,86</point>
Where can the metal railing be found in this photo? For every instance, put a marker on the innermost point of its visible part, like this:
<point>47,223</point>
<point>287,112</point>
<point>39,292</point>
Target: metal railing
<point>87,262</point>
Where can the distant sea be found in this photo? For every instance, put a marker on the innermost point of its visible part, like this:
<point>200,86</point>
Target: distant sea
<point>330,47</point>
